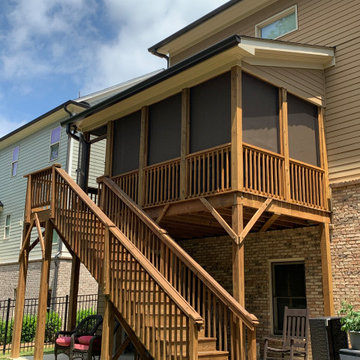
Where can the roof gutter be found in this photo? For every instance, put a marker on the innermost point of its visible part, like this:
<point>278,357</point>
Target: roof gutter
<point>216,49</point>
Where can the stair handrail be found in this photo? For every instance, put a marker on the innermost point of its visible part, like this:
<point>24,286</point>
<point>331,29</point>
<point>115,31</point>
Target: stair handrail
<point>144,262</point>
<point>250,320</point>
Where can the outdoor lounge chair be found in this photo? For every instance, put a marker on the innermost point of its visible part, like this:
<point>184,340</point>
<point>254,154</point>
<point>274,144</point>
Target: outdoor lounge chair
<point>88,347</point>
<point>294,343</point>
<point>65,340</point>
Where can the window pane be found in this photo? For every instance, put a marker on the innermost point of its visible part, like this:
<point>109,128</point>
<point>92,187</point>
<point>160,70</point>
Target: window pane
<point>55,135</point>
<point>14,168</point>
<point>7,232</point>
<point>7,221</point>
<point>54,152</point>
<point>279,27</point>
<point>15,154</point>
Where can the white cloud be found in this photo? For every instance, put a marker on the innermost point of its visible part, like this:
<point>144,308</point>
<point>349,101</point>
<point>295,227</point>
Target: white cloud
<point>141,24</point>
<point>6,126</point>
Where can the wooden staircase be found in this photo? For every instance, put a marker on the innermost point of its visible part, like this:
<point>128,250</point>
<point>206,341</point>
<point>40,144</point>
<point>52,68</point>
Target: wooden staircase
<point>168,301</point>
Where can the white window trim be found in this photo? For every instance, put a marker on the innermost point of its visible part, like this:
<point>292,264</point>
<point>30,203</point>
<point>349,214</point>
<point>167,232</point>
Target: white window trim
<point>16,161</point>
<point>280,15</point>
<point>57,142</point>
<point>7,226</point>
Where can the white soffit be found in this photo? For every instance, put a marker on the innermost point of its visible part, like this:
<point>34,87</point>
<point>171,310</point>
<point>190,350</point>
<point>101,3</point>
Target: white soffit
<point>284,54</point>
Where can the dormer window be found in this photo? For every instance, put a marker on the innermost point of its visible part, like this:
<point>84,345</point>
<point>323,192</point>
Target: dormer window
<point>55,143</point>
<point>278,25</point>
<point>15,160</point>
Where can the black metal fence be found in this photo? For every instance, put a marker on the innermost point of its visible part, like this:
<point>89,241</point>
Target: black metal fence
<point>56,319</point>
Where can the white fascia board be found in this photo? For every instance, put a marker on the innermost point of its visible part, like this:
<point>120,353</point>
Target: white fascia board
<point>280,54</point>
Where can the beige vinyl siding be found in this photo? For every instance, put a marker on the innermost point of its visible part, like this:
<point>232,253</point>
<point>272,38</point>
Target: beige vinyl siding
<point>97,162</point>
<point>327,23</point>
<point>302,82</point>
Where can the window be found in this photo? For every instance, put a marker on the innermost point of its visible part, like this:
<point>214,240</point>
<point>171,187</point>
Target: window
<point>288,289</point>
<point>278,25</point>
<point>7,227</point>
<point>55,143</point>
<point>15,159</point>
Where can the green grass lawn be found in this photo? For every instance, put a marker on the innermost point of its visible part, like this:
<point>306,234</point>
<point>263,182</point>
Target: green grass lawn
<point>48,350</point>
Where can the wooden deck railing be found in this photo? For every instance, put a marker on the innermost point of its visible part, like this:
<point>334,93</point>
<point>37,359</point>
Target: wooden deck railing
<point>218,308</point>
<point>140,293</point>
<point>208,171</point>
<point>128,182</point>
<point>263,172</point>
<point>162,182</point>
<point>307,184</point>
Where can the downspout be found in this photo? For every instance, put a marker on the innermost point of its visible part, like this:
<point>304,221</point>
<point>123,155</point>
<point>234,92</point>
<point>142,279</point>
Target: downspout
<point>163,56</point>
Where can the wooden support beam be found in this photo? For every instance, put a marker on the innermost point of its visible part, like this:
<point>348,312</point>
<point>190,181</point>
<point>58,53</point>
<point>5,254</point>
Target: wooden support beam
<point>237,176</point>
<point>122,348</point>
<point>269,222</point>
<point>28,200</point>
<point>26,241</point>
<point>238,270</point>
<point>143,154</point>
<point>285,141</point>
<point>251,348</point>
<point>74,289</point>
<point>254,219</point>
<point>109,148</point>
<point>220,220</point>
<point>20,297</point>
<point>185,139</point>
<point>43,293</point>
<point>163,213</point>
<point>41,239</point>
<point>194,340</point>
<point>107,331</point>
<point>326,270</point>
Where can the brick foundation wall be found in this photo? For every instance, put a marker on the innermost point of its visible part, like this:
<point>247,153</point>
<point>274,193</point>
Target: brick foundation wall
<point>345,245</point>
<point>9,278</point>
<point>214,254</point>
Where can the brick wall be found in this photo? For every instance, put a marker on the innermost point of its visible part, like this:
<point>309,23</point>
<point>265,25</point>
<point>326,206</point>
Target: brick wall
<point>9,278</point>
<point>345,244</point>
<point>214,254</point>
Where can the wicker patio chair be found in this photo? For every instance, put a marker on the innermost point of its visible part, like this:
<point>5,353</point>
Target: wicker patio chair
<point>65,340</point>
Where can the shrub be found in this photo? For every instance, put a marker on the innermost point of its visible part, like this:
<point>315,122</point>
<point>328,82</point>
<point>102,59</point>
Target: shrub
<point>28,329</point>
<point>2,332</point>
<point>84,313</point>
<point>351,319</point>
<point>53,325</point>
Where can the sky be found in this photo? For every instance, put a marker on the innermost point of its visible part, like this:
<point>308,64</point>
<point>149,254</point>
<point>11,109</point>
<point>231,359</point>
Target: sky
<point>55,50</point>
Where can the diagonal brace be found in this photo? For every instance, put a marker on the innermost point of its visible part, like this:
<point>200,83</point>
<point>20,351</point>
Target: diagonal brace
<point>26,241</point>
<point>221,220</point>
<point>254,219</point>
<point>42,243</point>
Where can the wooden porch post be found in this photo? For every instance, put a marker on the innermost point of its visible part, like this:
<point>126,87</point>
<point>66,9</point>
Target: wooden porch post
<point>238,270</point>
<point>43,293</point>
<point>20,299</point>
<point>326,270</point>
<point>109,148</point>
<point>143,154</point>
<point>74,289</point>
<point>107,331</point>
<point>185,143</point>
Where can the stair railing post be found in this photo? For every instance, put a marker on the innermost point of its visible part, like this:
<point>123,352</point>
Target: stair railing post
<point>52,194</point>
<point>28,200</point>
<point>193,340</point>
<point>251,349</point>
<point>106,273</point>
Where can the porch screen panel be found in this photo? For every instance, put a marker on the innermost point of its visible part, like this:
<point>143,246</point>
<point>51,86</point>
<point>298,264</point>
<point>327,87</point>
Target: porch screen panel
<point>303,130</point>
<point>164,130</point>
<point>126,144</point>
<point>260,113</point>
<point>210,113</point>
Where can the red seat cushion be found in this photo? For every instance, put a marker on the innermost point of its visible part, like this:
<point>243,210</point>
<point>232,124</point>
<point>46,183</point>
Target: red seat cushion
<point>85,340</point>
<point>81,347</point>
<point>64,341</point>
